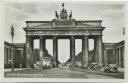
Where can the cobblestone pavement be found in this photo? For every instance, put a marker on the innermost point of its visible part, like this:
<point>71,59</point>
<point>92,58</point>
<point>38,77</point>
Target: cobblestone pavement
<point>63,73</point>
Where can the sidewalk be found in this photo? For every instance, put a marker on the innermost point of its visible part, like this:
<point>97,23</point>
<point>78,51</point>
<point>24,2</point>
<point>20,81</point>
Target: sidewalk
<point>121,69</point>
<point>95,71</point>
<point>82,70</point>
<point>15,69</point>
<point>75,69</point>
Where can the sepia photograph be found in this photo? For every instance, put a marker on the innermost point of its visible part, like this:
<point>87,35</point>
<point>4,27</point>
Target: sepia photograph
<point>59,39</point>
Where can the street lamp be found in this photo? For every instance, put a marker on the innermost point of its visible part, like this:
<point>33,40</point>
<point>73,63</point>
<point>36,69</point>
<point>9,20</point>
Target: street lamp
<point>12,34</point>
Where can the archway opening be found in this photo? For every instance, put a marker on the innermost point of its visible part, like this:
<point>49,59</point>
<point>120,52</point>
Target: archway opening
<point>63,50</point>
<point>91,55</point>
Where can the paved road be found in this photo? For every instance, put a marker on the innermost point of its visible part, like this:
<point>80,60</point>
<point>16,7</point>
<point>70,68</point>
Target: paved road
<point>60,73</point>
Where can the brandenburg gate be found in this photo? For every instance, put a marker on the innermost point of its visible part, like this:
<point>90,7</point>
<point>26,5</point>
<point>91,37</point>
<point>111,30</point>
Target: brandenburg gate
<point>64,27</point>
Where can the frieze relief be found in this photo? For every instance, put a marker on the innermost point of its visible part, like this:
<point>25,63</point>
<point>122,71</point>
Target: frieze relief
<point>73,32</point>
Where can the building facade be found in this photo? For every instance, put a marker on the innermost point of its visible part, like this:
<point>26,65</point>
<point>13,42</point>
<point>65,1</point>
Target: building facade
<point>19,56</point>
<point>114,53</point>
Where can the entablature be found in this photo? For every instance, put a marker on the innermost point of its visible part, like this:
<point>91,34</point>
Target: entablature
<point>64,32</point>
<point>64,23</point>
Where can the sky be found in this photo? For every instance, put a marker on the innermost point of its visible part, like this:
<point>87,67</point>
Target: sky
<point>112,16</point>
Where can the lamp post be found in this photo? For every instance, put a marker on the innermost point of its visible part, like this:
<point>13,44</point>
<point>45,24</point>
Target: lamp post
<point>12,34</point>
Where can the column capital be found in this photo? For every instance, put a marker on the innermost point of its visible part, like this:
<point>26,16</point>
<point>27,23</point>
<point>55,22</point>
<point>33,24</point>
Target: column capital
<point>85,38</point>
<point>32,38</point>
<point>85,35</point>
<point>100,36</point>
<point>41,37</point>
<point>27,36</point>
<point>97,36</point>
<point>73,37</point>
<point>54,37</point>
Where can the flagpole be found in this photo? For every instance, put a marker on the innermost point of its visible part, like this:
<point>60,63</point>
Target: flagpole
<point>12,55</point>
<point>12,34</point>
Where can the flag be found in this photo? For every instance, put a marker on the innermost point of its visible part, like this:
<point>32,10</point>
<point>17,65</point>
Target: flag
<point>12,31</point>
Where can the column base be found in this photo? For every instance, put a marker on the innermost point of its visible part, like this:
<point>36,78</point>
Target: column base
<point>85,66</point>
<point>101,65</point>
<point>55,65</point>
<point>72,65</point>
<point>12,69</point>
<point>40,65</point>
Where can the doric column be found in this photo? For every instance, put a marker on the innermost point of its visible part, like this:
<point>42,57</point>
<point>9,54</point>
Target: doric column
<point>44,44</point>
<point>55,51</point>
<point>105,57</point>
<point>85,51</point>
<point>100,50</point>
<point>119,57</point>
<point>21,58</point>
<point>123,56</point>
<point>114,56</point>
<point>32,44</point>
<point>5,56</point>
<point>41,52</point>
<point>72,51</point>
<point>31,51</point>
<point>96,50</point>
<point>44,47</point>
<point>28,52</point>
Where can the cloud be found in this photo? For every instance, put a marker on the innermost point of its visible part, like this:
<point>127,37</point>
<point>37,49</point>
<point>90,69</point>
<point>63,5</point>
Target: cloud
<point>32,9</point>
<point>26,7</point>
<point>17,6</point>
<point>113,14</point>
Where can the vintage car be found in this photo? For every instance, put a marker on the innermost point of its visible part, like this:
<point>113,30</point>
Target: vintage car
<point>111,68</point>
<point>94,66</point>
<point>47,63</point>
<point>78,64</point>
<point>36,65</point>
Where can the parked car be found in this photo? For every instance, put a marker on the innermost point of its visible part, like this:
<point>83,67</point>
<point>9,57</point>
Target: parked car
<point>94,66</point>
<point>111,68</point>
<point>68,64</point>
<point>47,63</point>
<point>36,65</point>
<point>78,64</point>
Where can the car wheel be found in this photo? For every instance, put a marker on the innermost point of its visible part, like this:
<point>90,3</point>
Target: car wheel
<point>116,71</point>
<point>51,66</point>
<point>104,70</point>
